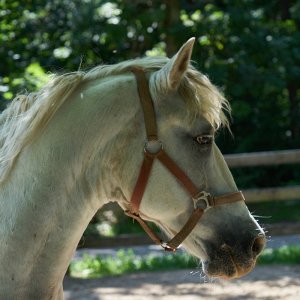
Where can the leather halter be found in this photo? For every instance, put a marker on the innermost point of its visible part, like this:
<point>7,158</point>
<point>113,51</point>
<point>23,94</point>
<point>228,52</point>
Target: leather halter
<point>202,200</point>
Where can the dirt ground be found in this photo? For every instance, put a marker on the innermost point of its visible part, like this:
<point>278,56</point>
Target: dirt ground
<point>265,282</point>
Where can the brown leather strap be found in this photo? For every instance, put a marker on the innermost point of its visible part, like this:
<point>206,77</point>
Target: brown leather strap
<point>197,214</point>
<point>144,174</point>
<point>228,198</point>
<point>139,190</point>
<point>146,227</point>
<point>179,237</point>
<point>147,104</point>
<point>168,162</point>
<point>186,229</point>
<point>163,157</point>
<point>141,184</point>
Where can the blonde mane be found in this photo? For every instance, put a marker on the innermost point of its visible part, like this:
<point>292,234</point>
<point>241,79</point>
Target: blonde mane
<point>29,114</point>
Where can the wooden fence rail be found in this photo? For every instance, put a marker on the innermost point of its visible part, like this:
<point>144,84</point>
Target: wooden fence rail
<point>272,194</point>
<point>266,159</point>
<point>263,158</point>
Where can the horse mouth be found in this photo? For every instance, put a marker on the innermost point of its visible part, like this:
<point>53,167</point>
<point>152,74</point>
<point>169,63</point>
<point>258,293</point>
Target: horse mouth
<point>227,266</point>
<point>230,271</point>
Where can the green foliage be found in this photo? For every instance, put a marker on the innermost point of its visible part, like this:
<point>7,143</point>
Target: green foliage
<point>100,229</point>
<point>282,255</point>
<point>128,262</point>
<point>98,267</point>
<point>124,226</point>
<point>249,48</point>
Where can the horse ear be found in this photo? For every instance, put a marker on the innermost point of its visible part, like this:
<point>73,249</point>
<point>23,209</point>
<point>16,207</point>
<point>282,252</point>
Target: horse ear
<point>174,70</point>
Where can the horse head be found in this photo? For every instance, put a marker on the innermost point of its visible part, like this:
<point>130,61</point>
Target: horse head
<point>79,142</point>
<point>188,110</point>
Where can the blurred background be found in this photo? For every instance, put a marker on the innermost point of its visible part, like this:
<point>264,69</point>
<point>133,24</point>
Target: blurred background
<point>248,48</point>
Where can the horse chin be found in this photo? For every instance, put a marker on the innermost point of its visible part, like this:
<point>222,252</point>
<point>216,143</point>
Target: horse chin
<point>222,263</point>
<point>226,267</point>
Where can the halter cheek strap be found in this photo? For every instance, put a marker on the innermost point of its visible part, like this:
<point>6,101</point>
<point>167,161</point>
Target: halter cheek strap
<point>201,199</point>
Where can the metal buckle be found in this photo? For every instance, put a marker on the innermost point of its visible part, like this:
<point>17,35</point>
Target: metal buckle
<point>202,200</point>
<point>167,248</point>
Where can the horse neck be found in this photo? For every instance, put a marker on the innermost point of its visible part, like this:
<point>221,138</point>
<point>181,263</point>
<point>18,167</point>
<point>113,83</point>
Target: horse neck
<point>58,183</point>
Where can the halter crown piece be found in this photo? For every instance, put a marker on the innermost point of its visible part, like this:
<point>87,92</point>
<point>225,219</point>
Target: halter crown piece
<point>202,200</point>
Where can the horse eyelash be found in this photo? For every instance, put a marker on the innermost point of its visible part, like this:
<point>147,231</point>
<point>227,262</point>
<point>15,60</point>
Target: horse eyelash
<point>204,139</point>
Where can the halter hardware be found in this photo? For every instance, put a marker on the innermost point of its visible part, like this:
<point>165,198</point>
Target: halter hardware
<point>153,149</point>
<point>203,198</point>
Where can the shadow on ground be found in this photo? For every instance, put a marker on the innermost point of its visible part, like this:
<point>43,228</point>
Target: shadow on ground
<point>265,282</point>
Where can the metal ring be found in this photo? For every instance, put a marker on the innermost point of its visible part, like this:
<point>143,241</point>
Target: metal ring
<point>153,147</point>
<point>204,197</point>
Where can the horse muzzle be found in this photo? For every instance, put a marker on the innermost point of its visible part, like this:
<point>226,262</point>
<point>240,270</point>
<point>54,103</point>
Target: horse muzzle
<point>229,262</point>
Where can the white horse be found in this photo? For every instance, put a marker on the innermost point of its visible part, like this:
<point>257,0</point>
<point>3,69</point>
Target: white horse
<point>78,143</point>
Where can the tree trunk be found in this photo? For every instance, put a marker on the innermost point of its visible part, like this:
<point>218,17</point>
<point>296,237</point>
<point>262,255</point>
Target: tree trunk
<point>294,110</point>
<point>285,9</point>
<point>172,20</point>
<point>292,85</point>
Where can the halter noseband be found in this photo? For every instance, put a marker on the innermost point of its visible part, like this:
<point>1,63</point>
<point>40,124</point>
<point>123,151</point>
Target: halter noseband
<point>202,200</point>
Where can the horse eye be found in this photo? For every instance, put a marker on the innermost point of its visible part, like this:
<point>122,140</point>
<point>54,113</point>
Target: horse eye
<point>204,139</point>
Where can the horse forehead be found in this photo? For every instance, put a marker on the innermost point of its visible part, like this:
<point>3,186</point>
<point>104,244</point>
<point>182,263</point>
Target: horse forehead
<point>172,109</point>
<point>179,118</point>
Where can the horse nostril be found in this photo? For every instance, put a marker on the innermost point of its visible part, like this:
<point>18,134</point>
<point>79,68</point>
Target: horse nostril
<point>258,245</point>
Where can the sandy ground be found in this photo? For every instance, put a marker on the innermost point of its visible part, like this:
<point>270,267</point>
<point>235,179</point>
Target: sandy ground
<point>265,282</point>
